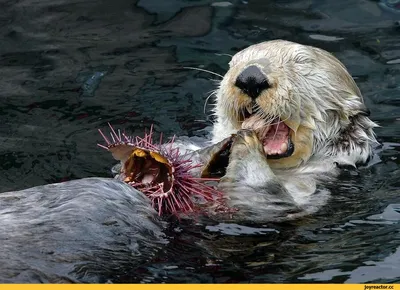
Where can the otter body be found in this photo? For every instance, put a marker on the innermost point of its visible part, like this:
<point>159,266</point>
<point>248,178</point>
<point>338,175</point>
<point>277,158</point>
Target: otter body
<point>88,230</point>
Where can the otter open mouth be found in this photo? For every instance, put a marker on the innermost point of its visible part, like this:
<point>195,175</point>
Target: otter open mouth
<point>275,135</point>
<point>276,140</point>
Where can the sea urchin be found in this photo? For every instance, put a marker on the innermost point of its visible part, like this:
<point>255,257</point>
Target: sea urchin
<point>158,170</point>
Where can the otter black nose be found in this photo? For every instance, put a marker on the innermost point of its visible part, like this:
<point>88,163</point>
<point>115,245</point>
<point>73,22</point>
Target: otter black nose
<point>252,81</point>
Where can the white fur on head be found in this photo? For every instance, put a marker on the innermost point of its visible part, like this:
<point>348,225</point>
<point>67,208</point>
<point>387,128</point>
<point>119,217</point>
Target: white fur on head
<point>309,88</point>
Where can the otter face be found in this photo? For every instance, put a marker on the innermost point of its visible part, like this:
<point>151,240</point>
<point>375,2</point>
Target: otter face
<point>307,101</point>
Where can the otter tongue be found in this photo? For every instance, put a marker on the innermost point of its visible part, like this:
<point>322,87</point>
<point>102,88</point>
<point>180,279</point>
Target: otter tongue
<point>274,137</point>
<point>275,140</point>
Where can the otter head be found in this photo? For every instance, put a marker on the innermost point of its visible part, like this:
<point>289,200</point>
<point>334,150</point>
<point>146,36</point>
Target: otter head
<point>309,103</point>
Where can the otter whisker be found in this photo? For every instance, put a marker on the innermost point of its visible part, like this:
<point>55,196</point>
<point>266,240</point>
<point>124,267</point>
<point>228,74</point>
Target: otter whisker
<point>224,54</point>
<point>238,109</point>
<point>204,70</point>
<point>266,116</point>
<point>276,131</point>
<point>212,93</point>
<point>262,114</point>
<point>280,121</point>
<point>216,81</point>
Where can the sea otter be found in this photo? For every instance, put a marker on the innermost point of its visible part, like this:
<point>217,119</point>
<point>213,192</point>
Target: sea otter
<point>287,117</point>
<point>299,116</point>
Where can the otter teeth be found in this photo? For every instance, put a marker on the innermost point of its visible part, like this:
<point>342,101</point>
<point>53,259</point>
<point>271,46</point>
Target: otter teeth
<point>284,147</point>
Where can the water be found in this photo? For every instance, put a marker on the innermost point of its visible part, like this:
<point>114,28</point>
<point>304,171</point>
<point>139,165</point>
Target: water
<point>69,67</point>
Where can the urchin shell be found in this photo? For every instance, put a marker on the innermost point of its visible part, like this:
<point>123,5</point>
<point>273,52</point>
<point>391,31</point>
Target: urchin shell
<point>176,197</point>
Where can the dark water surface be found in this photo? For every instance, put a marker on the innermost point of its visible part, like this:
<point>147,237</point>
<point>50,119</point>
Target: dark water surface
<point>67,67</point>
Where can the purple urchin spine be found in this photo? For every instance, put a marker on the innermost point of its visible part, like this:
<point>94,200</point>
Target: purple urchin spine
<point>178,198</point>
